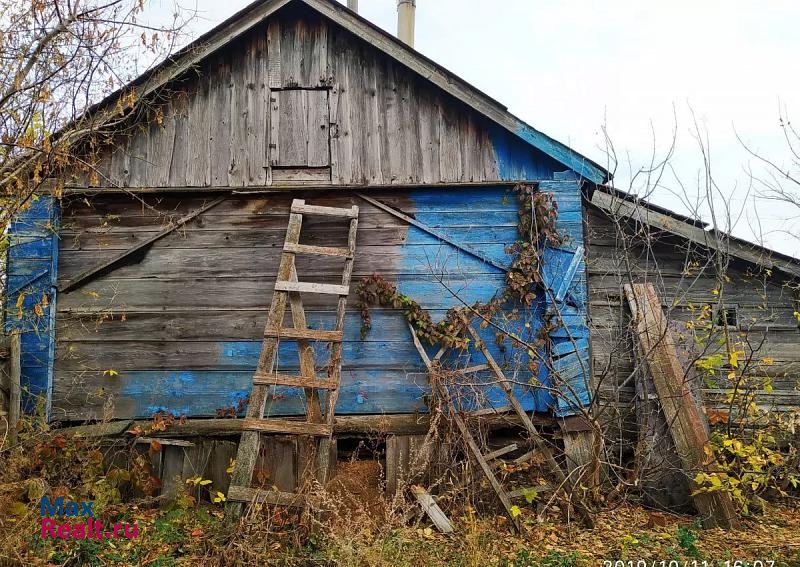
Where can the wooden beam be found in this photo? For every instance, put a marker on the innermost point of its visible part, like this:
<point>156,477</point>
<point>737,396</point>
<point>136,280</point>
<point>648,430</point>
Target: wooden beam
<point>85,276</point>
<point>658,351</point>
<point>281,188</point>
<point>386,424</point>
<point>433,232</point>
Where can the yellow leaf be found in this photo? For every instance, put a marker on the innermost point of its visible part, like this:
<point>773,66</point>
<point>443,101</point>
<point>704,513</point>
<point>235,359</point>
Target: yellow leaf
<point>515,511</point>
<point>768,361</point>
<point>715,291</point>
<point>110,372</point>
<point>220,497</point>
<point>22,296</point>
<point>733,358</point>
<point>231,466</point>
<point>205,482</point>
<point>38,310</point>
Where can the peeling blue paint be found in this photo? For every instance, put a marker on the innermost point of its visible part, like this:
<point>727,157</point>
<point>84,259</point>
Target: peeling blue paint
<point>31,273</point>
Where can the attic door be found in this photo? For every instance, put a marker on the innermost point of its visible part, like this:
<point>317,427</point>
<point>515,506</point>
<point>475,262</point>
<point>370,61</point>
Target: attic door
<point>300,145</point>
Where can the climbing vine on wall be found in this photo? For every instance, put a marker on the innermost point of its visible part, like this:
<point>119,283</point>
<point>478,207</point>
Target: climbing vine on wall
<point>536,227</point>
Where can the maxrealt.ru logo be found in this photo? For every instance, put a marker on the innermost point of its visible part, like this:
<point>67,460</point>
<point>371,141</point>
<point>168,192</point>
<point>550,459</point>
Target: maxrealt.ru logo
<point>92,529</point>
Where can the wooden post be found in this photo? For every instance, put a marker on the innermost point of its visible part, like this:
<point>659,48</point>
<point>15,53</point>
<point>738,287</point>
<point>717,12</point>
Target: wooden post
<point>14,387</point>
<point>658,352</point>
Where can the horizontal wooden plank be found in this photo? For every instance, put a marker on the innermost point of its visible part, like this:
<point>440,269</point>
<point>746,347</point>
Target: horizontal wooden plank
<point>218,325</point>
<point>274,379</point>
<point>116,296</point>
<point>435,258</point>
<point>292,427</point>
<point>85,394</point>
<point>318,250</point>
<point>350,213</point>
<point>379,352</point>
<point>312,287</point>
<point>304,334</point>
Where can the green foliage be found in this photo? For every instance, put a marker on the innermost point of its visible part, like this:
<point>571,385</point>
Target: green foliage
<point>687,540</point>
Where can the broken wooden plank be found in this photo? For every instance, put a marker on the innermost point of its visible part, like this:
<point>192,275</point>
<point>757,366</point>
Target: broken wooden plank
<point>432,509</point>
<point>539,442</point>
<point>83,277</point>
<point>658,351</point>
<point>467,437</point>
<point>273,425</point>
<point>566,280</point>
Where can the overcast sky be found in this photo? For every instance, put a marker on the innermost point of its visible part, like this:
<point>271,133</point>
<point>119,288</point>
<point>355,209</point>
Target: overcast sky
<point>639,68</point>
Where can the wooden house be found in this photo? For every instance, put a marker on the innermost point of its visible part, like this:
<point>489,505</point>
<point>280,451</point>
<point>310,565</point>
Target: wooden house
<point>141,286</point>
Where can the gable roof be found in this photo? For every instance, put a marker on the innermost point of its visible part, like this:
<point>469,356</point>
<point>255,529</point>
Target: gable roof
<point>622,204</point>
<point>244,20</point>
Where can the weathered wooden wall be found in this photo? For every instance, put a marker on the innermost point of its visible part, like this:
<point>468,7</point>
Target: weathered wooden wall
<point>181,324</point>
<point>684,277</point>
<point>299,100</point>
<point>296,101</point>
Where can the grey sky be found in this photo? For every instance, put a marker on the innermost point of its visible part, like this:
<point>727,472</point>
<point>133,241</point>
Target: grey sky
<point>640,68</point>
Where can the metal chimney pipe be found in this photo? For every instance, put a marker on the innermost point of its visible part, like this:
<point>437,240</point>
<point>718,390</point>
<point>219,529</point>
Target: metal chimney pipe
<point>405,21</point>
<point>353,5</point>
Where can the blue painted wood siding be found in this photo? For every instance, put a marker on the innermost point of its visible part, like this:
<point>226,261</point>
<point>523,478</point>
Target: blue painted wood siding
<point>30,294</point>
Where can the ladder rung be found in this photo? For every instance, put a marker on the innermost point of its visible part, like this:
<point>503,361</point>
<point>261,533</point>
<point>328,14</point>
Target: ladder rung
<point>350,213</point>
<point>247,494</point>
<point>526,457</point>
<point>309,287</point>
<point>300,334</point>
<point>273,425</point>
<point>476,368</point>
<point>318,250</point>
<point>294,381</point>
<point>500,452</point>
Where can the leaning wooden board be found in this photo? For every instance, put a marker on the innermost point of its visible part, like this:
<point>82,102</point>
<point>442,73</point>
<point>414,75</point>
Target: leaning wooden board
<point>658,351</point>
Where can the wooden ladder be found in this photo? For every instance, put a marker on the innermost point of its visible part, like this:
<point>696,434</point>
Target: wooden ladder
<point>507,386</point>
<point>287,287</point>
